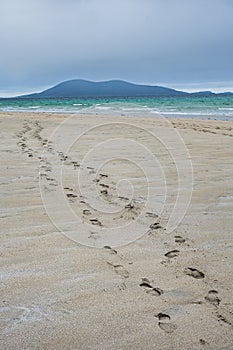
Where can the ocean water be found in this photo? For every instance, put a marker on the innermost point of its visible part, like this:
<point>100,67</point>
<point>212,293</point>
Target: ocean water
<point>220,107</point>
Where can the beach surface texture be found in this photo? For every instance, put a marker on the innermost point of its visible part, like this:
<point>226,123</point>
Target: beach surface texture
<point>116,233</point>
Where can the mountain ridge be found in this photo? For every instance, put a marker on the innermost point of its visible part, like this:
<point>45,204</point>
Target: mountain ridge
<point>77,88</point>
<point>111,88</point>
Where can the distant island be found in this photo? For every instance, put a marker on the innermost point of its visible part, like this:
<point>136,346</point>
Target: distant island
<point>114,88</point>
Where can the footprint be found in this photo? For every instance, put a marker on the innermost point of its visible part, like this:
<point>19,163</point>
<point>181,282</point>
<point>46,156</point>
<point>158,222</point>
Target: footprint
<point>111,250</point>
<point>167,327</point>
<point>223,319</point>
<point>71,195</point>
<point>194,273</point>
<point>103,175</point>
<point>145,284</point>
<point>130,211</point>
<point>203,342</point>
<point>95,222</point>
<point>123,198</point>
<point>151,215</point>
<point>163,317</point>
<point>149,288</point>
<point>155,292</point>
<point>76,165</point>
<point>86,212</point>
<point>212,297</point>
<point>93,235</point>
<point>172,254</point>
<point>120,270</point>
<point>164,323</point>
<point>179,239</point>
<point>155,226</point>
<point>104,192</point>
<point>129,206</point>
<point>103,185</point>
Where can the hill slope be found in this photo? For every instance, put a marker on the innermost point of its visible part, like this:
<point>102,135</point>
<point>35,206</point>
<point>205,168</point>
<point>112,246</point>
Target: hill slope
<point>113,88</point>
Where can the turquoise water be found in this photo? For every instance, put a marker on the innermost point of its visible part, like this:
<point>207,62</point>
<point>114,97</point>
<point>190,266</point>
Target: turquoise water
<point>194,107</point>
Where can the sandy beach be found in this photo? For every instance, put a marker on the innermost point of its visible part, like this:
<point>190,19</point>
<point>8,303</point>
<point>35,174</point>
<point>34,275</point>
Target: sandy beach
<point>88,259</point>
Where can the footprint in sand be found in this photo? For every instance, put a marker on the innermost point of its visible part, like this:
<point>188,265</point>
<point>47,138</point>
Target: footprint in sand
<point>172,254</point>
<point>103,185</point>
<point>104,192</point>
<point>165,324</point>
<point>212,297</point>
<point>129,206</point>
<point>96,222</point>
<point>155,226</point>
<point>179,239</point>
<point>103,175</point>
<point>86,212</point>
<point>221,318</point>
<point>151,215</point>
<point>194,273</point>
<point>71,196</point>
<point>93,235</point>
<point>149,288</point>
<point>75,165</point>
<point>130,212</point>
<point>110,249</point>
<point>120,270</point>
<point>123,198</point>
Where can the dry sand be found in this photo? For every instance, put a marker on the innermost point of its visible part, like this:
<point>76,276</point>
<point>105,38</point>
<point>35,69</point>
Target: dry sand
<point>161,291</point>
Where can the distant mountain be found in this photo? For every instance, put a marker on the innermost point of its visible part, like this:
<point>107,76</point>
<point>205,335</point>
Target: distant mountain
<point>203,93</point>
<point>225,93</point>
<point>113,88</point>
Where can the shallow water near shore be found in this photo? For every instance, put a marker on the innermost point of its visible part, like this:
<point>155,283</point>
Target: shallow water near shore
<point>218,108</point>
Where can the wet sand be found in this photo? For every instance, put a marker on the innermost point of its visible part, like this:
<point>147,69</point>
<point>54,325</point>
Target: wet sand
<point>86,286</point>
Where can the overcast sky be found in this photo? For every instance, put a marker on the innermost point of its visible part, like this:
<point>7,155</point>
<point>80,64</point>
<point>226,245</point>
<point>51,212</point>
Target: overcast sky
<point>186,44</point>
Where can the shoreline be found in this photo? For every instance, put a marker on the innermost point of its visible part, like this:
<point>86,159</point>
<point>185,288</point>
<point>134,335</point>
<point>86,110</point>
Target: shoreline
<point>195,108</point>
<point>103,115</point>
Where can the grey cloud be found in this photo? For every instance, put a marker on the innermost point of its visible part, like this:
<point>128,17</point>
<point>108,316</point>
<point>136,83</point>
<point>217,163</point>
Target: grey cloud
<point>175,41</point>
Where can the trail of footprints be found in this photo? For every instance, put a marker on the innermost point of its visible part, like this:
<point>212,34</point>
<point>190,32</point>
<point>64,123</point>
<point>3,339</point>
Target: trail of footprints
<point>32,143</point>
<point>218,130</point>
<point>131,210</point>
<point>165,322</point>
<point>211,297</point>
<point>29,130</point>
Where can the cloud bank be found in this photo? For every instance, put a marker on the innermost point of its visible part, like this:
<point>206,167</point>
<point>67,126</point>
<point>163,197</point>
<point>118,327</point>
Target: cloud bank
<point>149,41</point>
